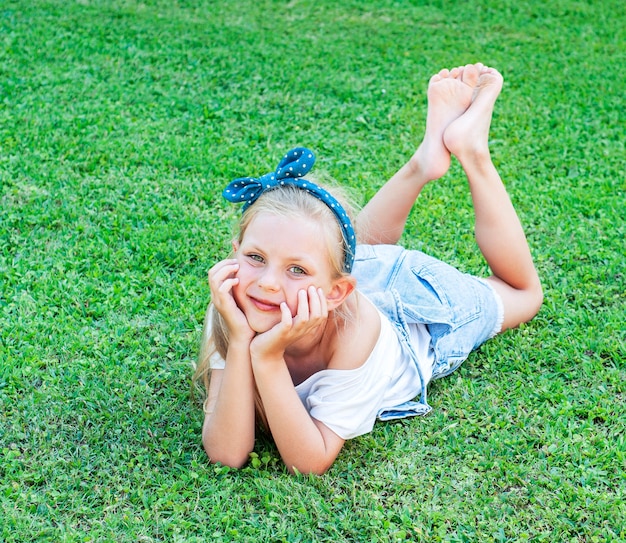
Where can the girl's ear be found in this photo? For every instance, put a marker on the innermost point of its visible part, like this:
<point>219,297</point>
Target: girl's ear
<point>235,245</point>
<point>341,289</point>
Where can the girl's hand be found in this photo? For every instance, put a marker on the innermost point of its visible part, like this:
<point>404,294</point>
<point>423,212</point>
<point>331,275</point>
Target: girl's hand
<point>312,312</point>
<point>222,279</point>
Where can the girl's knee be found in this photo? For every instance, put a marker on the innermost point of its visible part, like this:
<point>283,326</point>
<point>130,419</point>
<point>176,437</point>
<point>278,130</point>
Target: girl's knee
<point>520,305</point>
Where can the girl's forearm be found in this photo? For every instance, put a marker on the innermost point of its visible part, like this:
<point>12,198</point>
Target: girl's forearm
<point>229,426</point>
<point>305,445</point>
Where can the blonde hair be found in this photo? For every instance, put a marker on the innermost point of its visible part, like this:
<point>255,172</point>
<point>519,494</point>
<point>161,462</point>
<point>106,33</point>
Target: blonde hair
<point>285,201</point>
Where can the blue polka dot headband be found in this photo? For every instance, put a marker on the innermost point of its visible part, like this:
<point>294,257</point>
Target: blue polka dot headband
<point>291,169</point>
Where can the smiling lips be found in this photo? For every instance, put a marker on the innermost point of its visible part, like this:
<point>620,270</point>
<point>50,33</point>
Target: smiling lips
<point>263,305</point>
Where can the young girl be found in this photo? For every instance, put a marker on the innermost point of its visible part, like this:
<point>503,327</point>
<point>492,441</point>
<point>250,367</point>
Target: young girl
<point>316,336</point>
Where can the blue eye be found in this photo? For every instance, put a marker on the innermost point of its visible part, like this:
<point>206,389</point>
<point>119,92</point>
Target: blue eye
<point>297,270</point>
<point>256,258</point>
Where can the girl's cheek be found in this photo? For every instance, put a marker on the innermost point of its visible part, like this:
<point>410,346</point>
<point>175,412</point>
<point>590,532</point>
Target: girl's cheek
<point>238,291</point>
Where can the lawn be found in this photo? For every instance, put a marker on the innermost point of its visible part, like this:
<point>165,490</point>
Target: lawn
<point>121,121</point>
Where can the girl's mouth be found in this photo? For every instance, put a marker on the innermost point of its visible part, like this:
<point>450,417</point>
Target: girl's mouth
<point>263,305</point>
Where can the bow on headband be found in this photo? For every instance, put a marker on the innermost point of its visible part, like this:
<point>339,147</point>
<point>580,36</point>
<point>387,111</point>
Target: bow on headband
<point>291,169</point>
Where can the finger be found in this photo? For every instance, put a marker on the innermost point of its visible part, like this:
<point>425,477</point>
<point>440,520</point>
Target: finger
<point>286,318</point>
<point>219,265</point>
<point>303,305</point>
<point>223,267</point>
<point>315,303</point>
<point>223,287</point>
<point>228,284</point>
<point>323,303</point>
<point>217,275</point>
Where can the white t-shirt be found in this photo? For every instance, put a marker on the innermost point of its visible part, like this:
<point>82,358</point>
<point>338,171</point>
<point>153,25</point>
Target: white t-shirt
<point>349,401</point>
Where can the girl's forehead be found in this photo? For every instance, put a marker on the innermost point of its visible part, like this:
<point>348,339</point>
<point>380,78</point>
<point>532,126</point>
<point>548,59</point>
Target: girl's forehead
<point>294,223</point>
<point>300,233</point>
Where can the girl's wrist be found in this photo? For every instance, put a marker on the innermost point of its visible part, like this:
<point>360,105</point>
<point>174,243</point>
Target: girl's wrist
<point>241,342</point>
<point>266,359</point>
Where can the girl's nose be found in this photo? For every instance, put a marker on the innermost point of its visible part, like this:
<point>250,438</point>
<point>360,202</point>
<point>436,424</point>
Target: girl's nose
<point>268,280</point>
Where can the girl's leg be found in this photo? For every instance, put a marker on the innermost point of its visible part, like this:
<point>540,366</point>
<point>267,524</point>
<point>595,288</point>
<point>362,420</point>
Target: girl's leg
<point>498,231</point>
<point>450,93</point>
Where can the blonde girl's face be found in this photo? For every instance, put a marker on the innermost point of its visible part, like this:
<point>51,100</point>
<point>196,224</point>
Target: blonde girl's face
<point>278,257</point>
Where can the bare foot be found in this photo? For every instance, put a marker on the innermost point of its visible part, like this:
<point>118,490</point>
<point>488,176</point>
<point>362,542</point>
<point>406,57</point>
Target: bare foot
<point>450,93</point>
<point>469,134</point>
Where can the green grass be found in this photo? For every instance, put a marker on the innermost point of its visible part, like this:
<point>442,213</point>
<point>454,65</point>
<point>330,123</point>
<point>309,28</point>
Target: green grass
<point>121,121</point>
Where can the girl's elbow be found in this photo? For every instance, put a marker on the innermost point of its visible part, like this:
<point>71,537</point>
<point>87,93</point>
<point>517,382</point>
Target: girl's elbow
<point>310,467</point>
<point>320,470</point>
<point>231,458</point>
<point>536,299</point>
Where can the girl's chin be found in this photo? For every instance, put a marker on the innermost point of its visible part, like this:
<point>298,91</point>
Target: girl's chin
<point>262,321</point>
<point>262,325</point>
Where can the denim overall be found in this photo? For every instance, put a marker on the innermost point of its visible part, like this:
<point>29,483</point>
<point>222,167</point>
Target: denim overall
<point>460,311</point>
